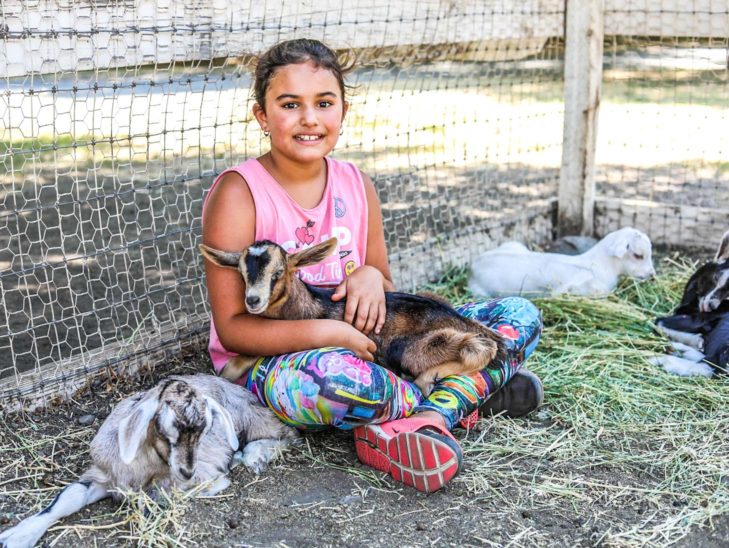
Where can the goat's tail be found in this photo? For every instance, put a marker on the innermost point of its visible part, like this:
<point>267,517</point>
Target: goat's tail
<point>448,351</point>
<point>478,350</point>
<point>472,350</point>
<point>492,337</point>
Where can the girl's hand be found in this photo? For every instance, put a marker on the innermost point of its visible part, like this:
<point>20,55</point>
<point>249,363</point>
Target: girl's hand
<point>346,336</point>
<point>365,293</point>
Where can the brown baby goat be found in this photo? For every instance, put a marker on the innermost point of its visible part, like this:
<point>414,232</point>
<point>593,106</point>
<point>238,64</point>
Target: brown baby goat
<point>422,337</point>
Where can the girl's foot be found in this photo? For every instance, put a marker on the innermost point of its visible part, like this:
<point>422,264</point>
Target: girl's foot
<point>523,394</point>
<point>417,451</point>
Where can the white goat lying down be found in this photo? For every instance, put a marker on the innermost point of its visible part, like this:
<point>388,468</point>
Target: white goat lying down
<point>181,433</point>
<point>511,269</point>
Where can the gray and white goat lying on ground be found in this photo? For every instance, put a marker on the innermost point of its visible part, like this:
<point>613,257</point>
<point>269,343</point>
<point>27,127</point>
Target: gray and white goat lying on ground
<point>423,337</point>
<point>181,433</point>
<point>699,326</point>
<point>511,269</point>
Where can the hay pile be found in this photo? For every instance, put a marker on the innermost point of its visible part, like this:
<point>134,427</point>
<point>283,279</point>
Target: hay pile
<point>639,453</point>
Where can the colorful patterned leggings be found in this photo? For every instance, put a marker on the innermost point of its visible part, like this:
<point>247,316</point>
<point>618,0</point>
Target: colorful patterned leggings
<point>333,387</point>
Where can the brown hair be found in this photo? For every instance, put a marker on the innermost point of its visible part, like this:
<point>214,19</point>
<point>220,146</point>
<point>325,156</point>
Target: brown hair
<point>293,52</point>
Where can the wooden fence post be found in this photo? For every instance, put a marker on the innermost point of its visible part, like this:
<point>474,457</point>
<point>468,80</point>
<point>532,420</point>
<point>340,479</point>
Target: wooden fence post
<point>582,79</point>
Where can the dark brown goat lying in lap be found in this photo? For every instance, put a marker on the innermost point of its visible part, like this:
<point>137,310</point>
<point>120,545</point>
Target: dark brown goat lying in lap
<point>422,337</point>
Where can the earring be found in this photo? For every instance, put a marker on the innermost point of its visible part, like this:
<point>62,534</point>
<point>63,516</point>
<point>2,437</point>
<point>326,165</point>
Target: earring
<point>341,129</point>
<point>266,133</point>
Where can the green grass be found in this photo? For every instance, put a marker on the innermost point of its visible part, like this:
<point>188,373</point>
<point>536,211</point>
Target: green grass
<point>616,433</point>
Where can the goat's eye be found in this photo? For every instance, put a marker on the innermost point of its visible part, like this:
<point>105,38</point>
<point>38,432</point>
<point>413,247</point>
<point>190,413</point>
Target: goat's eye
<point>638,256</point>
<point>277,274</point>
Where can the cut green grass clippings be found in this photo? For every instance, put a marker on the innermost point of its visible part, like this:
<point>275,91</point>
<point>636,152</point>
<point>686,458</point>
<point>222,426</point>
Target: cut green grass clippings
<point>616,432</point>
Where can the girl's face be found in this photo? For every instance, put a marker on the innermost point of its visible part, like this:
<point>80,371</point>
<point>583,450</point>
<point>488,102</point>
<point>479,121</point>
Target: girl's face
<point>304,112</point>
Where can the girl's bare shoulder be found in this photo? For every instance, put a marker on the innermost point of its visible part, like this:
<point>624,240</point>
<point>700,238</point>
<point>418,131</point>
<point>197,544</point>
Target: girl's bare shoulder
<point>229,216</point>
<point>232,186</point>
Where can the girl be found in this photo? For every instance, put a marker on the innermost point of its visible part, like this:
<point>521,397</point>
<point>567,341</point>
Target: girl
<point>296,195</point>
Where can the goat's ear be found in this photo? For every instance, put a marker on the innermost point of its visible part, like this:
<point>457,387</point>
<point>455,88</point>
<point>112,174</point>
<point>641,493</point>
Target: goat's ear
<point>723,253</point>
<point>619,247</point>
<point>313,255</point>
<point>217,411</point>
<point>133,427</point>
<point>220,258</point>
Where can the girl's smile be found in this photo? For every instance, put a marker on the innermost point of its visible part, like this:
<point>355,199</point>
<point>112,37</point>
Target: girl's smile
<point>309,138</point>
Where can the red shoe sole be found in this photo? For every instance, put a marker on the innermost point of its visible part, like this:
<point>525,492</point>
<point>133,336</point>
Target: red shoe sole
<point>470,421</point>
<point>423,461</point>
<point>371,449</point>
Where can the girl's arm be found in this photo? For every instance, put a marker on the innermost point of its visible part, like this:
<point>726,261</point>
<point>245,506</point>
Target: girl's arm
<point>365,287</point>
<point>230,225</point>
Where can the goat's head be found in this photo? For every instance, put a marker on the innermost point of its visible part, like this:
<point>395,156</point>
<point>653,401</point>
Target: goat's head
<point>171,418</point>
<point>712,279</point>
<point>267,270</point>
<point>634,250</point>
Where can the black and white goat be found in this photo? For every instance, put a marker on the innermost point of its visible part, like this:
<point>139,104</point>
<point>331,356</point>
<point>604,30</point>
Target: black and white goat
<point>699,326</point>
<point>422,337</point>
<point>181,433</point>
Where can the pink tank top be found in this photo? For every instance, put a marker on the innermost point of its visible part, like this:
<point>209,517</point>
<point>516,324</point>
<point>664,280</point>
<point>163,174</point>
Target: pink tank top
<point>342,213</point>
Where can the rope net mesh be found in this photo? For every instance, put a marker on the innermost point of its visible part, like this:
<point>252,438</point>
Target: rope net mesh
<point>117,116</point>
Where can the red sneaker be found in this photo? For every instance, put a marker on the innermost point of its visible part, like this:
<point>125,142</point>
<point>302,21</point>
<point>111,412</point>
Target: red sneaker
<point>413,451</point>
<point>469,421</point>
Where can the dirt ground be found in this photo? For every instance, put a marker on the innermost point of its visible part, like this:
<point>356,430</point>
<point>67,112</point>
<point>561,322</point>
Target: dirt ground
<point>318,494</point>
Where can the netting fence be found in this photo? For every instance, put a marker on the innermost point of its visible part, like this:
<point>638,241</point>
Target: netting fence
<point>117,116</point>
<point>662,153</point>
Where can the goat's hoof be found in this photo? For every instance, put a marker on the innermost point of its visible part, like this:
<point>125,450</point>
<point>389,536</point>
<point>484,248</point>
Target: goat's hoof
<point>236,460</point>
<point>221,483</point>
<point>258,454</point>
<point>425,387</point>
<point>682,367</point>
<point>501,351</point>
<point>235,368</point>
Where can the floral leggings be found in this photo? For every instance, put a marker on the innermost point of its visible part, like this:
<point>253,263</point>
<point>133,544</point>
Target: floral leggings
<point>333,387</point>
